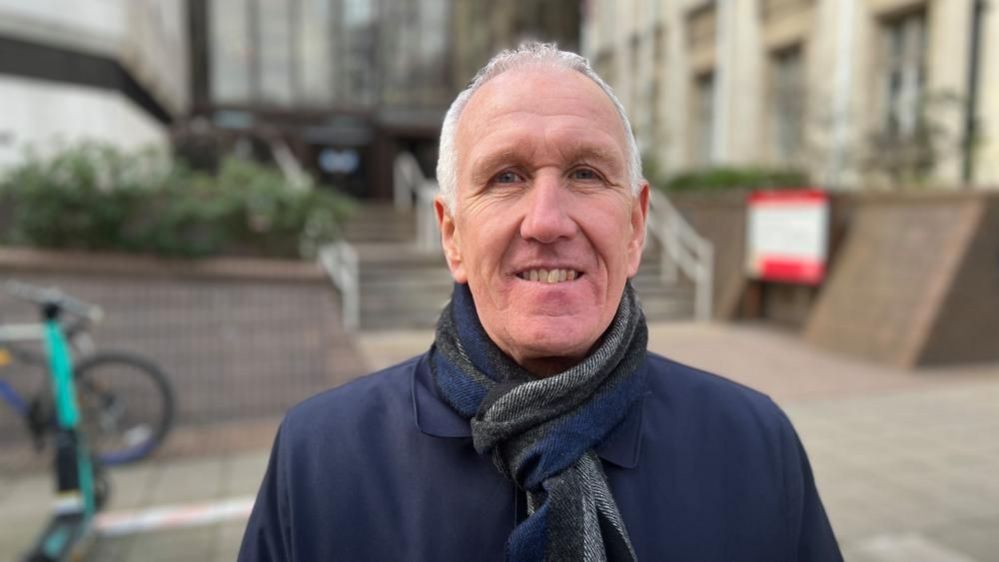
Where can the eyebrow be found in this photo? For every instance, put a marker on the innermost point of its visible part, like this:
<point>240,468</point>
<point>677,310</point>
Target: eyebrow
<point>588,152</point>
<point>483,168</point>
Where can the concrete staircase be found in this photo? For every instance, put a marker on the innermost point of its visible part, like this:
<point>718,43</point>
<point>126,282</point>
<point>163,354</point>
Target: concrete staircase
<point>380,223</point>
<point>662,302</point>
<point>402,288</point>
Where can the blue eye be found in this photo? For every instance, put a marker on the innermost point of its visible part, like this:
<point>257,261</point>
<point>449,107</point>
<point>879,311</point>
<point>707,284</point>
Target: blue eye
<point>507,177</point>
<point>584,174</point>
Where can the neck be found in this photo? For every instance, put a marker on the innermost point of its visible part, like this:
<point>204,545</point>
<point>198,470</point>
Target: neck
<point>544,367</point>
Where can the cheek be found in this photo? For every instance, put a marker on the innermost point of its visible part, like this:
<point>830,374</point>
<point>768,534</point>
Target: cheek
<point>612,233</point>
<point>488,239</point>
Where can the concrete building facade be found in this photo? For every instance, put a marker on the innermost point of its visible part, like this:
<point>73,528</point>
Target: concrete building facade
<point>348,84</point>
<point>344,84</point>
<point>857,92</point>
<point>481,29</point>
<point>113,71</point>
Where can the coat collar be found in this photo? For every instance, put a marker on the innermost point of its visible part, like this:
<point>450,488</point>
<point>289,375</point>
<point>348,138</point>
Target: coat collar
<point>435,418</point>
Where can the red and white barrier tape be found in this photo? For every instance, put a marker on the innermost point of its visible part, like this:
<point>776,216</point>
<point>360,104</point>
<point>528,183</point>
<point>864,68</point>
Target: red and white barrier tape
<point>119,523</point>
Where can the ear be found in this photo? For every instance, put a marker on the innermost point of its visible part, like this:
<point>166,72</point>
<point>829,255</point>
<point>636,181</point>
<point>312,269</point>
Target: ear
<point>450,240</point>
<point>639,215</point>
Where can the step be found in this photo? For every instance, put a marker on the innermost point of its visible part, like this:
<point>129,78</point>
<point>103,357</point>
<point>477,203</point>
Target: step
<point>380,223</point>
<point>404,288</point>
<point>405,253</point>
<point>401,287</point>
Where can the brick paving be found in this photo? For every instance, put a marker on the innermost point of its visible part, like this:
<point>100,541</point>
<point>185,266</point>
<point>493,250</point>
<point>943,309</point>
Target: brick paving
<point>905,461</point>
<point>25,501</point>
<point>909,475</point>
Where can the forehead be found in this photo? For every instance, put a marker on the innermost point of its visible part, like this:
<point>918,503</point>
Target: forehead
<point>533,95</point>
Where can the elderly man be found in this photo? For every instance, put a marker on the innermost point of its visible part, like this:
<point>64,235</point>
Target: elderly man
<point>538,427</point>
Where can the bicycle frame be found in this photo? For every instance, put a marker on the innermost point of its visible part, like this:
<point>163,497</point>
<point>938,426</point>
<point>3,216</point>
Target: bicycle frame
<point>71,524</point>
<point>38,409</point>
<point>20,333</point>
<point>13,333</point>
<point>12,398</point>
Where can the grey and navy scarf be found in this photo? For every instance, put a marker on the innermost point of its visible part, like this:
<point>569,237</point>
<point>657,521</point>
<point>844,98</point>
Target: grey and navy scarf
<point>541,432</point>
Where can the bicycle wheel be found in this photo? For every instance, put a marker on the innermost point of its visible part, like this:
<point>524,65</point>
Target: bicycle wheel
<point>126,404</point>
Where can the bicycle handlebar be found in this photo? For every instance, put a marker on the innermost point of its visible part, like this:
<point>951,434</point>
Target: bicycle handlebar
<point>52,296</point>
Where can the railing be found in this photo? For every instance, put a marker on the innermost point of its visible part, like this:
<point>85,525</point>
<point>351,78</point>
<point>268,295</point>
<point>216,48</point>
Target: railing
<point>428,238</point>
<point>339,260</point>
<point>292,170</point>
<point>409,185</point>
<point>682,248</point>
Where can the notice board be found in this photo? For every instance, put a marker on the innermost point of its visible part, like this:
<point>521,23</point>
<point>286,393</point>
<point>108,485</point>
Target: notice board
<point>787,236</point>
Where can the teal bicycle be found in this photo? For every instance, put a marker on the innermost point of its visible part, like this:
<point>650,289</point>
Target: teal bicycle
<point>108,408</point>
<point>126,400</point>
<point>80,483</point>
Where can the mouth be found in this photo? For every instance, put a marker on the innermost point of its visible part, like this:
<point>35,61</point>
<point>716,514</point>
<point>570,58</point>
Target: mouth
<point>550,276</point>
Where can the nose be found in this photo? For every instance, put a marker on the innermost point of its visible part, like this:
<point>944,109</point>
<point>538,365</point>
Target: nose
<point>546,218</point>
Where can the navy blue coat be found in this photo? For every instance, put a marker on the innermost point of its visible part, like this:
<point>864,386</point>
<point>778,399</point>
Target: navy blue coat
<point>702,469</point>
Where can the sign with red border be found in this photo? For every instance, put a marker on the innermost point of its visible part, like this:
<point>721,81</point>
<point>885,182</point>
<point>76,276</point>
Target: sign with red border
<point>787,235</point>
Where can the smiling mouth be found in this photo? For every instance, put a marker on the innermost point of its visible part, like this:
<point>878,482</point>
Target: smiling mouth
<point>550,276</point>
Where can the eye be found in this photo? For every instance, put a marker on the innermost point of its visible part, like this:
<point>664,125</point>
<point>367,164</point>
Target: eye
<point>584,174</point>
<point>507,177</point>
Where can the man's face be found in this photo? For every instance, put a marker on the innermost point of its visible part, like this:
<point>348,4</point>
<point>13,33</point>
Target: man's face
<point>546,229</point>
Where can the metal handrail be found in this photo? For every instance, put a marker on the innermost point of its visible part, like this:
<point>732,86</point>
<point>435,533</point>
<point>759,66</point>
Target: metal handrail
<point>427,236</point>
<point>295,176</point>
<point>409,184</point>
<point>339,260</point>
<point>681,247</point>
<point>406,180</point>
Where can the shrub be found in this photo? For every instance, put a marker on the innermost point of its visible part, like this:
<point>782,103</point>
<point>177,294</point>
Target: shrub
<point>94,197</point>
<point>722,178</point>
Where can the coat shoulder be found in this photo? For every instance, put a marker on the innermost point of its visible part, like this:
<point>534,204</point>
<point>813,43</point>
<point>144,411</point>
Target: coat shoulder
<point>712,395</point>
<point>344,407</point>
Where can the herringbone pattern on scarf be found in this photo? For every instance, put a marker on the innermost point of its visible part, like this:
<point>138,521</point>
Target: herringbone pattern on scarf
<point>541,432</point>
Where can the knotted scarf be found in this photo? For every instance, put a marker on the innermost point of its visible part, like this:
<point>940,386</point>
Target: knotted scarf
<point>541,432</point>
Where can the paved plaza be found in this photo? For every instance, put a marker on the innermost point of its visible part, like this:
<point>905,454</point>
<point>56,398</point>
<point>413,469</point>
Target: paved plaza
<point>906,462</point>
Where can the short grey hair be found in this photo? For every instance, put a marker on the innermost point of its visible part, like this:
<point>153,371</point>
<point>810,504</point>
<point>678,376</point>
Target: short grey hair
<point>528,54</point>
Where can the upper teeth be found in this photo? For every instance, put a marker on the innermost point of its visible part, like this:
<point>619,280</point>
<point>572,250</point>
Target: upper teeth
<point>549,275</point>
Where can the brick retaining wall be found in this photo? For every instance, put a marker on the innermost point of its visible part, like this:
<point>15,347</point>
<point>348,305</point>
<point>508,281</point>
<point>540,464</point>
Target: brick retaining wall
<point>239,338</point>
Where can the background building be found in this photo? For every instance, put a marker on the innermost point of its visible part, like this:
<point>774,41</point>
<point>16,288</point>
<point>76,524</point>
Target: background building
<point>483,28</point>
<point>109,70</point>
<point>858,92</point>
<point>347,84</point>
<point>342,84</point>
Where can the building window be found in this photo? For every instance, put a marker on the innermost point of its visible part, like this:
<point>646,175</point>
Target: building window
<point>704,118</point>
<point>775,9</point>
<point>603,64</point>
<point>635,74</point>
<point>231,51</point>
<point>414,52</point>
<point>274,37</point>
<point>787,104</point>
<point>701,24</point>
<point>904,48</point>
<point>658,75</point>
<point>313,45</point>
